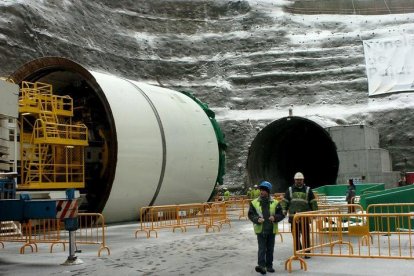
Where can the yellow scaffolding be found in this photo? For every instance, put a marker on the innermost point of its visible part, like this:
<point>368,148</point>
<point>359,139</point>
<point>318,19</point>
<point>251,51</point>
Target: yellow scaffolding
<point>51,147</point>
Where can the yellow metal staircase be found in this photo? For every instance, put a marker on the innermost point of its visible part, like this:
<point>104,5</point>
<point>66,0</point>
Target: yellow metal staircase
<point>52,153</point>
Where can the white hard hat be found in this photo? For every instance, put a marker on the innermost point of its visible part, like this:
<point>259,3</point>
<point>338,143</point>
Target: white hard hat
<point>298,175</point>
<point>255,186</point>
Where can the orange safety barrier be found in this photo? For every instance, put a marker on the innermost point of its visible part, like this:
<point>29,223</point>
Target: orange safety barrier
<point>209,215</point>
<point>243,207</point>
<point>217,214</point>
<point>91,231</point>
<point>30,233</point>
<point>336,234</point>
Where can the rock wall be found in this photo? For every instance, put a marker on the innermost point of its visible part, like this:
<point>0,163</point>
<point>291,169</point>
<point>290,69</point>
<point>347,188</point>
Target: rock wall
<point>250,60</point>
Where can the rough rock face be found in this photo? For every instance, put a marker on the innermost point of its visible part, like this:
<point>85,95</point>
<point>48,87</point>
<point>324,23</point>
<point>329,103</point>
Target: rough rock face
<point>250,60</point>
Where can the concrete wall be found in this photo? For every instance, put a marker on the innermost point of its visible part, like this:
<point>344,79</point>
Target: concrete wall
<point>360,157</point>
<point>355,137</point>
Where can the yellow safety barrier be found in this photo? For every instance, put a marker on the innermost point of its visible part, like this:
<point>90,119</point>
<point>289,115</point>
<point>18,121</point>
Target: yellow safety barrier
<point>335,234</point>
<point>320,198</point>
<point>230,198</point>
<point>343,208</point>
<point>91,231</point>
<point>209,215</point>
<point>279,196</point>
<point>390,208</point>
<point>395,224</point>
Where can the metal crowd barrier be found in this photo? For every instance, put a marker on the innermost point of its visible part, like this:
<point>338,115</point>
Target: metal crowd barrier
<point>91,232</point>
<point>343,208</point>
<point>217,214</point>
<point>285,227</point>
<point>336,234</point>
<point>377,226</point>
<point>30,233</point>
<point>243,208</point>
<point>391,208</point>
<point>50,231</point>
<point>230,198</point>
<point>321,198</point>
<point>209,215</point>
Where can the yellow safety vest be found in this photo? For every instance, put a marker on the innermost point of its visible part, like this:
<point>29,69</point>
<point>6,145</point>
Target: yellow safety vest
<point>258,228</point>
<point>226,195</point>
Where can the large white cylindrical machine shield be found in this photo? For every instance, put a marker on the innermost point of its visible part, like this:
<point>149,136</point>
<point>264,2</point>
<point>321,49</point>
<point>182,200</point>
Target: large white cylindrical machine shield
<point>156,146</point>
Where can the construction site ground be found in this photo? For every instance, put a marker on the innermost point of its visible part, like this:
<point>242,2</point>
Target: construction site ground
<point>231,251</point>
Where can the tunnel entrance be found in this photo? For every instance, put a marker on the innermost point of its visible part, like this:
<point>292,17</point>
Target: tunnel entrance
<point>290,145</point>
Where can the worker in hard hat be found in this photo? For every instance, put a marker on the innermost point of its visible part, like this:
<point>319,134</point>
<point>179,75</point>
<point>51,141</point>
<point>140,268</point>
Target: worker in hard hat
<point>299,198</point>
<point>265,212</point>
<point>226,194</point>
<point>249,192</point>
<point>256,192</point>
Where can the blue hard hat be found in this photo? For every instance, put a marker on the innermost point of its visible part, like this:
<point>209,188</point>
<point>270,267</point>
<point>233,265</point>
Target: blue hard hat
<point>266,185</point>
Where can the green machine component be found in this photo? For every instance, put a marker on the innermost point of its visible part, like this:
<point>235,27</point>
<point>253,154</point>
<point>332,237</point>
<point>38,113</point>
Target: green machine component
<point>395,200</point>
<point>340,189</point>
<point>394,195</point>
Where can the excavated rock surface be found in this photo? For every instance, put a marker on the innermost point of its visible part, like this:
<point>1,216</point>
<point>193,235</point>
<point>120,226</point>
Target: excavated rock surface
<point>244,58</point>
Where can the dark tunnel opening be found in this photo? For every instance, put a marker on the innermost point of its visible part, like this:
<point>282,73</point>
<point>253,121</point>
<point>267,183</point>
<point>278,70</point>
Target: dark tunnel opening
<point>290,145</point>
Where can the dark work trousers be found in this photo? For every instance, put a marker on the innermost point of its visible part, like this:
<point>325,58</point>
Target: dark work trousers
<point>266,246</point>
<point>302,233</point>
<point>351,209</point>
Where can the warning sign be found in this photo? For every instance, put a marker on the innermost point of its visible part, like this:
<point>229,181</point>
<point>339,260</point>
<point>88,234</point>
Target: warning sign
<point>66,209</point>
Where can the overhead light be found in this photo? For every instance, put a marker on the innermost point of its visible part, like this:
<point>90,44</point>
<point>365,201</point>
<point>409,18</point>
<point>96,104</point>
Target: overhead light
<point>69,147</point>
<point>26,113</point>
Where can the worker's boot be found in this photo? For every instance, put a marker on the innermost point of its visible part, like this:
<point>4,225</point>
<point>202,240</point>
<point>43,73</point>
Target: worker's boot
<point>270,269</point>
<point>260,269</point>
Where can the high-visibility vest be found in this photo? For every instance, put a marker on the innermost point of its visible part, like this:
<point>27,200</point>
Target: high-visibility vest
<point>258,228</point>
<point>299,202</point>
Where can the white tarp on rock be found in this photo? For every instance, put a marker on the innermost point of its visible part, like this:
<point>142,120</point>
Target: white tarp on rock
<point>390,64</point>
